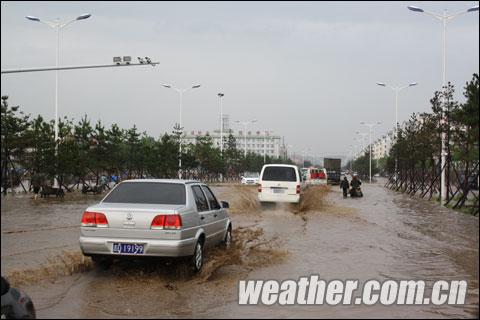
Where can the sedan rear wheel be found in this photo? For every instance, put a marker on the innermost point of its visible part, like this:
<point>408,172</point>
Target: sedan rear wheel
<point>227,242</point>
<point>197,259</point>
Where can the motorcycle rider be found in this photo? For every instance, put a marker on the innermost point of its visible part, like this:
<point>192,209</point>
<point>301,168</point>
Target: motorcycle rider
<point>344,185</point>
<point>355,185</point>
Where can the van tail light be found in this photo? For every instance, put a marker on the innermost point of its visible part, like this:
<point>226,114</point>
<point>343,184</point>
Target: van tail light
<point>259,188</point>
<point>298,189</point>
<point>94,219</point>
<point>170,221</point>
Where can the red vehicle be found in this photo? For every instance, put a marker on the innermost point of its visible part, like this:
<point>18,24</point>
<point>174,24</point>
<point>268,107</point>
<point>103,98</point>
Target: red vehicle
<point>316,176</point>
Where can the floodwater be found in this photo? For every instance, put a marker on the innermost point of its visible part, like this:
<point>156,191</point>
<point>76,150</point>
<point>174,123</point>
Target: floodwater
<point>385,235</point>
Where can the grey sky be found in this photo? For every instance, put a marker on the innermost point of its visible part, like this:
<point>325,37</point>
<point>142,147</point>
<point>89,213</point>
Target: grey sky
<point>307,71</point>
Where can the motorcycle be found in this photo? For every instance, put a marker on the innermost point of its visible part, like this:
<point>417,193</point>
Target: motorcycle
<point>356,192</point>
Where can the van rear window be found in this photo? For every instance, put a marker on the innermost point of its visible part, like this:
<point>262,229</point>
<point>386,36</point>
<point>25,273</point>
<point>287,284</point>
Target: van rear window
<point>279,174</point>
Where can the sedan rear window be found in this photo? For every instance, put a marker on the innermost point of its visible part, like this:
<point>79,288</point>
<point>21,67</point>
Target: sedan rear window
<point>279,174</point>
<point>148,192</point>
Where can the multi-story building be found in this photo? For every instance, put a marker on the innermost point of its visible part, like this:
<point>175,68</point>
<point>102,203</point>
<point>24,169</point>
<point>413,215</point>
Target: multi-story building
<point>257,142</point>
<point>381,147</point>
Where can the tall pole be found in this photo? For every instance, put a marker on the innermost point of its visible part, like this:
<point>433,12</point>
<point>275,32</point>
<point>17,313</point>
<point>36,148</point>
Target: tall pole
<point>180,92</point>
<point>445,18</point>
<point>58,26</point>
<point>57,29</point>
<point>265,147</point>
<point>396,131</point>
<point>396,124</point>
<point>370,126</point>
<point>220,95</point>
<point>443,188</point>
<point>245,138</point>
<point>370,143</point>
<point>180,140</point>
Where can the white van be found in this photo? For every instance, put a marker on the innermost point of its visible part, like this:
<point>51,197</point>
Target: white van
<point>280,183</point>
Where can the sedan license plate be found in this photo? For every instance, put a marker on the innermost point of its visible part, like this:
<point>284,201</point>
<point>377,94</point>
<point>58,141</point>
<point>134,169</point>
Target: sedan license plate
<point>129,248</point>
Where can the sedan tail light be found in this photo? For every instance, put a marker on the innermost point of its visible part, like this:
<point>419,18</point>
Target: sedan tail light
<point>94,219</point>
<point>170,221</point>
<point>173,222</point>
<point>101,220</point>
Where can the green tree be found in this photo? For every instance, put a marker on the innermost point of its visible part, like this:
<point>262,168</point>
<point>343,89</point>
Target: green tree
<point>14,125</point>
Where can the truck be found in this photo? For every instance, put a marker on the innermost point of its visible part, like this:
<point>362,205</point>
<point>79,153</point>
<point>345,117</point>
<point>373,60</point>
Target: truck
<point>333,166</point>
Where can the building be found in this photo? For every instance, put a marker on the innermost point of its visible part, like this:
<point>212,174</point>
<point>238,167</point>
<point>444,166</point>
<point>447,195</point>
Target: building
<point>258,142</point>
<point>381,147</point>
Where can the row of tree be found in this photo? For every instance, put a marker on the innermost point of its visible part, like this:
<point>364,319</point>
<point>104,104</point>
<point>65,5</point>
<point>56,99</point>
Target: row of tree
<point>88,151</point>
<point>417,148</point>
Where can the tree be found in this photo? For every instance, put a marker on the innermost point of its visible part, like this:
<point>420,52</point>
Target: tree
<point>115,148</point>
<point>41,156</point>
<point>13,128</point>
<point>132,148</point>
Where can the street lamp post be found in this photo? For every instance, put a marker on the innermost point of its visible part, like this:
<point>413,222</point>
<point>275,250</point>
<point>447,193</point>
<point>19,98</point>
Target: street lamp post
<point>351,155</point>
<point>245,124</point>
<point>397,89</point>
<point>289,146</point>
<point>180,92</point>
<point>444,18</point>
<point>354,154</point>
<point>58,26</point>
<point>220,95</point>
<point>265,145</point>
<point>371,127</point>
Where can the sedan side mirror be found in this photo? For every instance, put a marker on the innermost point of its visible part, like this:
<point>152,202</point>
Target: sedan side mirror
<point>225,204</point>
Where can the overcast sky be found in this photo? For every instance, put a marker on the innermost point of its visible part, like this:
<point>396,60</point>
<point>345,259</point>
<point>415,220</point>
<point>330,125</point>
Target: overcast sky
<point>306,71</point>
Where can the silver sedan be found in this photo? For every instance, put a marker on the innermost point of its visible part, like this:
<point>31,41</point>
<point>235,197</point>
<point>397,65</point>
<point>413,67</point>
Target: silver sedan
<point>156,217</point>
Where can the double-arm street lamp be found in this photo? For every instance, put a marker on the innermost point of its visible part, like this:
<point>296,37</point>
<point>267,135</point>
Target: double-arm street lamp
<point>180,92</point>
<point>444,18</point>
<point>397,90</point>
<point>58,26</point>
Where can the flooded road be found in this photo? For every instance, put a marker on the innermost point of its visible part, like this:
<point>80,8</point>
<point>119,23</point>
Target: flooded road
<point>384,235</point>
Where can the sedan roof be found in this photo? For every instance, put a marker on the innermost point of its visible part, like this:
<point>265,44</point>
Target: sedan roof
<point>163,181</point>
